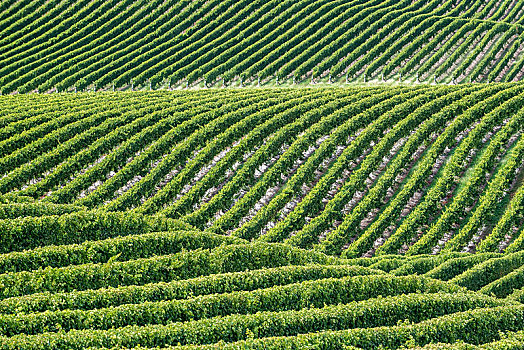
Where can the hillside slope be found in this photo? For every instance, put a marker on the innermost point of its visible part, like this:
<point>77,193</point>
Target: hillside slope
<point>78,44</point>
<point>92,279</point>
<point>356,184</point>
<point>355,171</point>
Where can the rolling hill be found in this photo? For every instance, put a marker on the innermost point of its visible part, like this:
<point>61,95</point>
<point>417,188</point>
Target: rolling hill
<point>149,288</point>
<point>297,174</point>
<point>104,44</point>
<point>354,171</point>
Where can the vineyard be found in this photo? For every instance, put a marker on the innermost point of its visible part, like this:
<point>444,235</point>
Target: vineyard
<point>320,218</point>
<point>214,292</point>
<point>263,174</point>
<point>352,172</point>
<point>58,45</point>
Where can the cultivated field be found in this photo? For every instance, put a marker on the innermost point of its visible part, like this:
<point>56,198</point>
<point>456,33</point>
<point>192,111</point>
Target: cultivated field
<point>354,171</point>
<point>297,174</point>
<point>158,288</point>
<point>104,44</point>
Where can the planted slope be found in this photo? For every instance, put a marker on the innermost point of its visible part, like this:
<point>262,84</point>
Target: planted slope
<point>357,171</point>
<point>106,43</point>
<point>189,289</point>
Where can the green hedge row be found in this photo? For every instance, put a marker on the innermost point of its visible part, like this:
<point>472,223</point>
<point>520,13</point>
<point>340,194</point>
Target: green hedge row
<point>18,210</point>
<point>475,326</point>
<point>490,112</point>
<point>423,264</point>
<point>509,341</point>
<point>182,265</point>
<point>369,313</point>
<point>8,198</point>
<point>518,295</point>
<point>277,126</point>
<point>205,285</point>
<point>489,271</point>
<point>375,259</point>
<point>119,248</point>
<point>454,267</point>
<point>460,345</point>
<point>388,265</point>
<point>505,285</point>
<point>31,232</point>
<point>308,294</point>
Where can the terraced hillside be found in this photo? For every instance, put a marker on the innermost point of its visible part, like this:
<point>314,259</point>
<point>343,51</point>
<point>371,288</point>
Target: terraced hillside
<point>103,44</point>
<point>76,279</point>
<point>352,172</point>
